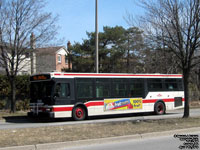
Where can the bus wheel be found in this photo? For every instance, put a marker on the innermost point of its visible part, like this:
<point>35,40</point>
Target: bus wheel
<point>159,108</point>
<point>79,113</point>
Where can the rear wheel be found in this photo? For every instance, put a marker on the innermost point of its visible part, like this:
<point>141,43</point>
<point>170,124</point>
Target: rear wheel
<point>79,113</point>
<point>159,108</point>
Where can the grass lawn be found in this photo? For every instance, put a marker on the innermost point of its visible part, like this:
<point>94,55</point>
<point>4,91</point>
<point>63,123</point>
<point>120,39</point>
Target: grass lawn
<point>51,134</point>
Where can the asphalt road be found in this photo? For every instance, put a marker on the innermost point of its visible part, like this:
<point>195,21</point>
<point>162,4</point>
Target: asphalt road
<point>156,143</point>
<point>10,123</point>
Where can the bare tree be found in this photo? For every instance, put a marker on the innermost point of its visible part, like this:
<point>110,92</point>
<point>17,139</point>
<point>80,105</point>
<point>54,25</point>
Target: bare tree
<point>195,81</point>
<point>176,24</point>
<point>18,19</point>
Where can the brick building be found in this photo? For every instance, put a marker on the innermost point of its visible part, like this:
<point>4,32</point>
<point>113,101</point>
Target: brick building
<point>51,59</point>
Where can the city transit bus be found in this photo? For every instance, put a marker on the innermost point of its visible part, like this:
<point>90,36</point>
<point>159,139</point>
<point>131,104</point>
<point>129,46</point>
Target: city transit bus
<point>79,95</point>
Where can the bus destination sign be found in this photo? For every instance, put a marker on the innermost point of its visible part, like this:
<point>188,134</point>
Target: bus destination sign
<point>40,77</point>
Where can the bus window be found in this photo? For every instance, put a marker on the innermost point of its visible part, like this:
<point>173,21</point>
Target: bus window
<point>155,85</point>
<point>62,90</point>
<point>120,87</point>
<point>136,88</point>
<point>171,84</point>
<point>180,84</point>
<point>84,88</point>
<point>103,88</point>
<point>41,90</point>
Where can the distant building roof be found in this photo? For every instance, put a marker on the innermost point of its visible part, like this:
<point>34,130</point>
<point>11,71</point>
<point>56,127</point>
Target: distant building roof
<point>48,50</point>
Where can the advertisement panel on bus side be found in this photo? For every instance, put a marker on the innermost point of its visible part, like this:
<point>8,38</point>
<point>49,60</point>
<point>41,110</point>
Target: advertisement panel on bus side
<point>122,104</point>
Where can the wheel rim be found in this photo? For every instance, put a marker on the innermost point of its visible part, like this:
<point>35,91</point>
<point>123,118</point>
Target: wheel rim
<point>79,113</point>
<point>160,108</point>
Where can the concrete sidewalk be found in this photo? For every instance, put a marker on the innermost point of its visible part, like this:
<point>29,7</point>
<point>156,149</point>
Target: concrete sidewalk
<point>63,145</point>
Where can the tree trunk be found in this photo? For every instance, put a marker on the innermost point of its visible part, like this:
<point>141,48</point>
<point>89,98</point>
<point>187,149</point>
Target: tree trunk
<point>198,83</point>
<point>13,95</point>
<point>186,94</point>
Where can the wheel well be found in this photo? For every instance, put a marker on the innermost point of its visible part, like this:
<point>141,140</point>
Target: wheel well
<point>83,106</point>
<point>158,102</point>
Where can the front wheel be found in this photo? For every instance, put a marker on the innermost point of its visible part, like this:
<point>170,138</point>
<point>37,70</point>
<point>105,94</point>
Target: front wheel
<point>159,108</point>
<point>79,113</point>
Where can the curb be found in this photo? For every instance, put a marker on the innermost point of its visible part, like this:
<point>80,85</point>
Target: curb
<point>63,145</point>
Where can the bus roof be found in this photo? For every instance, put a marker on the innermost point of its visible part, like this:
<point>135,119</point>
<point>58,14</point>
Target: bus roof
<point>111,75</point>
<point>48,76</point>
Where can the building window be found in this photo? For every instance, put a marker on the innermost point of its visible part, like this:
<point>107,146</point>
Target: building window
<point>27,54</point>
<point>59,58</point>
<point>66,59</point>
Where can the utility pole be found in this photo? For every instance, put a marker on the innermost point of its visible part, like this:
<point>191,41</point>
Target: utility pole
<point>32,53</point>
<point>96,38</point>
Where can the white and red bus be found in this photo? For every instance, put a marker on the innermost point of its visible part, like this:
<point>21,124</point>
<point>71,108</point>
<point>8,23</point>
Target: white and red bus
<point>80,95</point>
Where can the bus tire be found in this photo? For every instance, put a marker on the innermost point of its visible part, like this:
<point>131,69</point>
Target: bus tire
<point>159,108</point>
<point>79,113</point>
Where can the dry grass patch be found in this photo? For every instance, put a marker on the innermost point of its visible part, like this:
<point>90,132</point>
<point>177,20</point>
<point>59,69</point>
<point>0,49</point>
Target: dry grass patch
<point>29,136</point>
<point>195,104</point>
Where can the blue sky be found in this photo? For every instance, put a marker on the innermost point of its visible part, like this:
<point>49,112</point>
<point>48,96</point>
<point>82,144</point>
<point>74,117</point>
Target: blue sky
<point>78,16</point>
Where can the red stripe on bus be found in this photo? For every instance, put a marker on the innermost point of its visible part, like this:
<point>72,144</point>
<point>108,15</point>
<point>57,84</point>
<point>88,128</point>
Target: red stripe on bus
<point>57,74</point>
<point>154,100</point>
<point>119,75</point>
<point>100,103</point>
<point>149,100</point>
<point>169,100</point>
<point>55,109</point>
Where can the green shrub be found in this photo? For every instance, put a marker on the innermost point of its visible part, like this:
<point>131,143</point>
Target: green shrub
<point>22,105</point>
<point>4,87</point>
<point>2,104</point>
<point>22,92</point>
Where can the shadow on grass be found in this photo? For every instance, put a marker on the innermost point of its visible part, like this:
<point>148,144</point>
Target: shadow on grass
<point>42,119</point>
<point>15,119</point>
<point>26,119</point>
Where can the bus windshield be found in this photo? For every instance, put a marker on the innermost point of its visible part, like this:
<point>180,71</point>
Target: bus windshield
<point>41,91</point>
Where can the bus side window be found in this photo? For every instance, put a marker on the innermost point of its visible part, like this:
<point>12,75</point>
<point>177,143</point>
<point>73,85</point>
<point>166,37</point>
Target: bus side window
<point>180,84</point>
<point>136,88</point>
<point>155,85</point>
<point>84,88</point>
<point>57,90</point>
<point>103,88</point>
<point>171,84</point>
<point>120,87</point>
<point>62,90</point>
